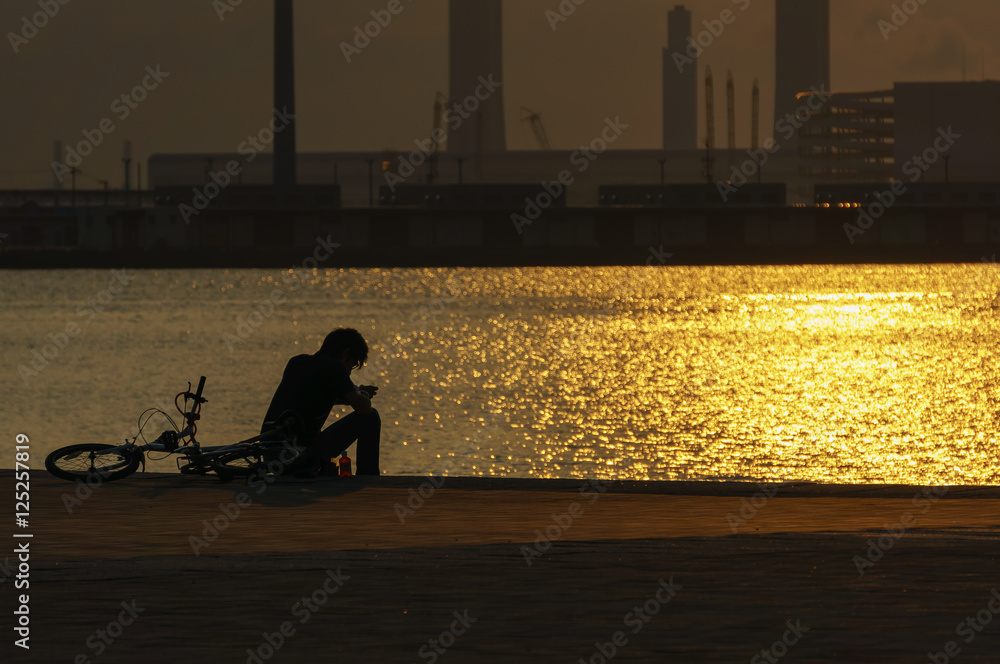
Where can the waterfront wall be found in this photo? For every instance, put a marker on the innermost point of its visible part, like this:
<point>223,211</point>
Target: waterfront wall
<point>159,236</point>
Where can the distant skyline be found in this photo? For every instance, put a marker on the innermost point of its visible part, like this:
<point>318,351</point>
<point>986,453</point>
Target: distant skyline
<point>603,61</point>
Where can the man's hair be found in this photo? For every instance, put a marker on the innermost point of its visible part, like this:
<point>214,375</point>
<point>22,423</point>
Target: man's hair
<point>347,339</point>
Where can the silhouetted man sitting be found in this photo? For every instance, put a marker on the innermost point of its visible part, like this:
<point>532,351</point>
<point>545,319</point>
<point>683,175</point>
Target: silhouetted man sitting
<point>312,384</point>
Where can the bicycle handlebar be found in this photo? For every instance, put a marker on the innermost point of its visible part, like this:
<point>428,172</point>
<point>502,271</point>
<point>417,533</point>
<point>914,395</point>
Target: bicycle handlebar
<point>191,416</point>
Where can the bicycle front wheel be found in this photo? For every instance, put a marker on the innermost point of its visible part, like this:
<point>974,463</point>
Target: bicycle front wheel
<point>92,460</point>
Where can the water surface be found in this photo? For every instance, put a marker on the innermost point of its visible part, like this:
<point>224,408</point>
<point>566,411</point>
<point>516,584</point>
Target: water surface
<point>833,374</point>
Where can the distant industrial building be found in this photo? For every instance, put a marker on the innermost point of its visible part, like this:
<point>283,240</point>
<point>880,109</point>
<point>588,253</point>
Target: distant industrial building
<point>921,194</point>
<point>850,139</point>
<point>925,115</point>
<point>475,43</point>
<point>854,137</point>
<point>680,84</point>
<point>693,196</point>
<point>926,132</point>
<point>802,51</point>
<point>470,196</point>
<point>360,175</point>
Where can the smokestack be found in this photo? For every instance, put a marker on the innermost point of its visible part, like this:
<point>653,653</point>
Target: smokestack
<point>803,52</point>
<point>284,172</point>
<point>680,84</point>
<point>475,51</point>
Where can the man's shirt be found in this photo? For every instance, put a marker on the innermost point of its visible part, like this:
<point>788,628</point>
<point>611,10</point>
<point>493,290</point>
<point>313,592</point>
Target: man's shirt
<point>310,386</point>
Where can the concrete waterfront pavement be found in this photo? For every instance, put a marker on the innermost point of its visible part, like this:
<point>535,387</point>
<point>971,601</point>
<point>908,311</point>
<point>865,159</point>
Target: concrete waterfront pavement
<point>462,549</point>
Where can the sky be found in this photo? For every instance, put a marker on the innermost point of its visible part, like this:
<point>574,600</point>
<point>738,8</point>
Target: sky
<point>603,61</point>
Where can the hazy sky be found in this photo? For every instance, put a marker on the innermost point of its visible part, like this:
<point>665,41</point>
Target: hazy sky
<point>603,61</point>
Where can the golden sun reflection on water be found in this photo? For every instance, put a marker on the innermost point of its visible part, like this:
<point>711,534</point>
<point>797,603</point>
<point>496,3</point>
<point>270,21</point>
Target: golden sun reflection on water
<point>696,373</point>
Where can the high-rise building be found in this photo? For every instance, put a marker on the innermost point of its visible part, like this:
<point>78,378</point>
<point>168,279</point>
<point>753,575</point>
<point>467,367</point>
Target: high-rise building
<point>802,51</point>
<point>284,92</point>
<point>476,55</point>
<point>680,84</point>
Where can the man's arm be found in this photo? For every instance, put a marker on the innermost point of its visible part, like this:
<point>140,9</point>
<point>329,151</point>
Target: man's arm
<point>358,401</point>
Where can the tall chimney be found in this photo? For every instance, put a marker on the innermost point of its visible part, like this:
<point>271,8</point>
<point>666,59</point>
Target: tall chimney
<point>680,84</point>
<point>475,51</point>
<point>803,53</point>
<point>284,92</point>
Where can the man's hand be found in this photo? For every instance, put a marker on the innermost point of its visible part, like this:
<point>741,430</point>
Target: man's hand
<point>370,390</point>
<point>359,401</point>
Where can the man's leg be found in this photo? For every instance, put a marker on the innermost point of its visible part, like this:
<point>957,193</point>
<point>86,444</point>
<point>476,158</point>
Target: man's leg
<point>366,429</point>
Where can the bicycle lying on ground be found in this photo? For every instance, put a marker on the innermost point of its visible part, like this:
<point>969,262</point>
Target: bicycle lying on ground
<point>273,451</point>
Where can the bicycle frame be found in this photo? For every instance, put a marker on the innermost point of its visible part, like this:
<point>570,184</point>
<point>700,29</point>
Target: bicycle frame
<point>198,458</point>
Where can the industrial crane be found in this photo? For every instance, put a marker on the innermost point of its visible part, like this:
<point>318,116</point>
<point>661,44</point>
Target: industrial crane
<point>535,120</point>
<point>710,126</point>
<point>76,172</point>
<point>731,111</point>
<point>755,120</point>
<point>755,125</point>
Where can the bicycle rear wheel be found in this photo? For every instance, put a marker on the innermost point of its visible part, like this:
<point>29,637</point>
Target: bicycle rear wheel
<point>246,461</point>
<point>239,463</point>
<point>92,460</point>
